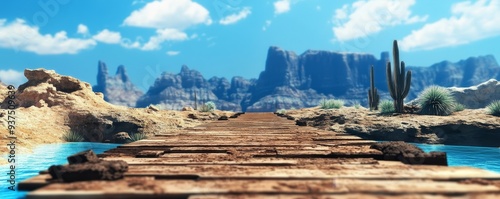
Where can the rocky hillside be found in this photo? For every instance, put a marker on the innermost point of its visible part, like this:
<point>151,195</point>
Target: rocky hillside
<point>294,81</point>
<point>175,91</point>
<point>117,89</point>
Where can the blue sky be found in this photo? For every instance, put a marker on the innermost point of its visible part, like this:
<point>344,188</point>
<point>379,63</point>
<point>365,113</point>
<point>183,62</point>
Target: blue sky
<point>228,38</point>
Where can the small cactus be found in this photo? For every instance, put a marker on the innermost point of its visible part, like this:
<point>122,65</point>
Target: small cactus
<point>373,96</point>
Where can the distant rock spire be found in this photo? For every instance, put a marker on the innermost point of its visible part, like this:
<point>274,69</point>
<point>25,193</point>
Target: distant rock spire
<point>102,74</point>
<point>121,73</point>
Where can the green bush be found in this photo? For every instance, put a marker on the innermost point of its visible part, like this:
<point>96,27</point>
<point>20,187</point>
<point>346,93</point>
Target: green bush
<point>386,107</point>
<point>137,136</point>
<point>72,136</point>
<point>331,104</point>
<point>207,107</point>
<point>436,100</point>
<point>494,108</point>
<point>458,107</point>
<point>281,111</point>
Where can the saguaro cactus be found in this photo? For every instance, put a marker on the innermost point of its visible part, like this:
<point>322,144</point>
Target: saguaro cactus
<point>397,81</point>
<point>195,102</point>
<point>373,96</point>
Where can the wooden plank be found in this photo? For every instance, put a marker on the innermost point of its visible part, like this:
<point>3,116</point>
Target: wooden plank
<point>185,188</point>
<point>314,172</point>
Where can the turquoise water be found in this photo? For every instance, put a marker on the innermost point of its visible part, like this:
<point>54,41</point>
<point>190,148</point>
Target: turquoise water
<point>480,157</point>
<point>43,156</point>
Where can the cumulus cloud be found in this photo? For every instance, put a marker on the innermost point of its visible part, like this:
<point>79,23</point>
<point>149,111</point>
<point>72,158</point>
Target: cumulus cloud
<point>12,77</point>
<point>109,37</point>
<point>82,29</point>
<point>173,14</point>
<point>173,53</point>
<point>20,36</point>
<point>363,18</point>
<point>231,19</point>
<point>470,21</point>
<point>162,36</point>
<point>281,6</point>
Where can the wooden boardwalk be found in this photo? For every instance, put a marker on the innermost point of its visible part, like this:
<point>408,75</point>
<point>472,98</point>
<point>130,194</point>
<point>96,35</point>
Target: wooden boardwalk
<point>260,155</point>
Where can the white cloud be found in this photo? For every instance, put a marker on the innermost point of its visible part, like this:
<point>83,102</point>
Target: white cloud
<point>281,6</point>
<point>163,35</point>
<point>173,14</point>
<point>470,21</point>
<point>231,19</point>
<point>12,77</point>
<point>268,23</point>
<point>364,18</point>
<point>173,53</point>
<point>20,36</point>
<point>82,29</point>
<point>109,37</point>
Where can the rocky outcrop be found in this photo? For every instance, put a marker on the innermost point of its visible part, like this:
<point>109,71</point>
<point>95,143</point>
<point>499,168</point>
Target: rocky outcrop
<point>472,127</point>
<point>88,167</point>
<point>118,89</point>
<point>51,105</point>
<point>176,91</point>
<point>46,88</point>
<point>478,96</point>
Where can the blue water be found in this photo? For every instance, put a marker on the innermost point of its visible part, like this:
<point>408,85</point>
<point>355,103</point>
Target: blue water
<point>480,157</point>
<point>43,156</point>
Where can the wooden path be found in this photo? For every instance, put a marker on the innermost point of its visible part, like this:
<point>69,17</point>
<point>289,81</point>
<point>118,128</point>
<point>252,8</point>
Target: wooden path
<point>260,155</point>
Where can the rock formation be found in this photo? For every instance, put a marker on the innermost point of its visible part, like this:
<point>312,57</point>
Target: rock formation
<point>296,81</point>
<point>177,90</point>
<point>118,90</point>
<point>478,96</point>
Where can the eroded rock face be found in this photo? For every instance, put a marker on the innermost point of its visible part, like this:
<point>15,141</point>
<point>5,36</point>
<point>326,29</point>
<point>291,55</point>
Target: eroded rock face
<point>117,89</point>
<point>179,90</point>
<point>478,96</point>
<point>409,154</point>
<point>46,88</point>
<point>122,137</point>
<point>472,127</point>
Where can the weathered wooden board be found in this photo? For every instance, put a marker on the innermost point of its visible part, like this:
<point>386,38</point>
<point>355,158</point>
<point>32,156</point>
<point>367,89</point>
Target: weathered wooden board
<point>259,155</point>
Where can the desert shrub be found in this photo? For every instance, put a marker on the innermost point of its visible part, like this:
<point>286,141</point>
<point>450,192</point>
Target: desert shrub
<point>208,107</point>
<point>331,104</point>
<point>281,111</point>
<point>458,107</point>
<point>436,100</point>
<point>72,136</point>
<point>357,105</point>
<point>494,108</point>
<point>137,136</point>
<point>386,107</point>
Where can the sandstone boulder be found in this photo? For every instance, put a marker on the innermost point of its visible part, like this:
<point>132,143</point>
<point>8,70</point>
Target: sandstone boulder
<point>122,137</point>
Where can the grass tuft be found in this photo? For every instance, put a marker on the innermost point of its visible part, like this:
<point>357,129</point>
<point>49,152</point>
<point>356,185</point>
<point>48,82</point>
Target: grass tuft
<point>331,104</point>
<point>386,107</point>
<point>281,111</point>
<point>436,100</point>
<point>458,107</point>
<point>137,136</point>
<point>208,107</point>
<point>72,136</point>
<point>494,108</point>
